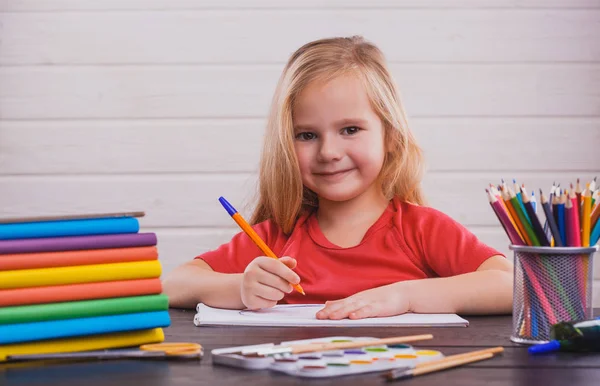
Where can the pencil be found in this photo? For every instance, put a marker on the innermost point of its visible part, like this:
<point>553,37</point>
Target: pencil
<point>535,222</point>
<point>520,210</point>
<point>519,195</point>
<point>507,208</point>
<point>560,210</point>
<point>252,234</point>
<point>504,219</point>
<point>550,219</point>
<point>595,237</point>
<point>511,209</point>
<point>586,197</point>
<point>595,215</point>
<point>577,196</point>
<point>533,201</point>
<point>573,227</point>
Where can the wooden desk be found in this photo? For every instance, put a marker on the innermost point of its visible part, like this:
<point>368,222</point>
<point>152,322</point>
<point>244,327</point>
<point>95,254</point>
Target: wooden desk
<point>514,367</point>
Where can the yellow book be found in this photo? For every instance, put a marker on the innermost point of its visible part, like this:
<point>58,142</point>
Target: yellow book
<point>87,343</point>
<point>40,277</point>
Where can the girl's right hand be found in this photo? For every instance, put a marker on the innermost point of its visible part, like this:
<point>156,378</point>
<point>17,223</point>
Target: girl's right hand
<point>267,280</point>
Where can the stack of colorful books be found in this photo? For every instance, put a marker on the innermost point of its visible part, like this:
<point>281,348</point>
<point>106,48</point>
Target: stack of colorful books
<point>78,283</point>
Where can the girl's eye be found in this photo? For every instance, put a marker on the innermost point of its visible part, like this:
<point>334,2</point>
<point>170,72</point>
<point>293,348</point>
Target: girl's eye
<point>306,136</point>
<point>350,130</point>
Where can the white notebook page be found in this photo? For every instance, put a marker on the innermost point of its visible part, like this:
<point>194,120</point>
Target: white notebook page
<point>303,315</point>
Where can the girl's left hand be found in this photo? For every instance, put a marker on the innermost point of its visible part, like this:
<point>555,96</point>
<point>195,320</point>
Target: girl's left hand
<point>388,300</point>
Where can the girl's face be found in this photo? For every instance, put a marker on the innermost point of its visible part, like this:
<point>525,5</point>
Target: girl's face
<point>339,139</point>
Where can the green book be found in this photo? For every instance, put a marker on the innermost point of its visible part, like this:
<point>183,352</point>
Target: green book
<point>83,309</point>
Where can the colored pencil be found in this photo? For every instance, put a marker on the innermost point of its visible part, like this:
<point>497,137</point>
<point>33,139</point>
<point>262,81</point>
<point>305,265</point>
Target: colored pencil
<point>592,186</point>
<point>504,219</point>
<point>519,209</point>
<point>511,208</point>
<point>572,217</point>
<point>586,197</point>
<point>519,196</point>
<point>595,237</point>
<point>535,222</point>
<point>595,215</point>
<point>496,193</point>
<point>574,240</point>
<point>252,234</point>
<point>560,211</point>
<point>578,195</point>
<point>550,218</point>
<point>533,201</point>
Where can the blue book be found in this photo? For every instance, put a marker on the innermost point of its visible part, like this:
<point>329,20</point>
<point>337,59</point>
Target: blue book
<point>28,332</point>
<point>61,228</point>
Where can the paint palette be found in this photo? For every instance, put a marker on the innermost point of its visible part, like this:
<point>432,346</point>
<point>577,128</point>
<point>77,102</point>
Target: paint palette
<point>328,363</point>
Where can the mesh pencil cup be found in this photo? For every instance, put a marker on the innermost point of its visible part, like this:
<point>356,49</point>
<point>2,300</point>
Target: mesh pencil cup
<point>551,285</point>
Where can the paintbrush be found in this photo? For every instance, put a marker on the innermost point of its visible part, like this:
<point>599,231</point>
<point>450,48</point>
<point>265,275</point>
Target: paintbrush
<point>327,346</point>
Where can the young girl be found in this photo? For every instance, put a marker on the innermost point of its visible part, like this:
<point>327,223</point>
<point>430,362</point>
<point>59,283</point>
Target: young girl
<point>341,204</point>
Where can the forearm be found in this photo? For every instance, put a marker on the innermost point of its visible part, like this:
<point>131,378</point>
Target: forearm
<point>194,283</point>
<point>480,292</point>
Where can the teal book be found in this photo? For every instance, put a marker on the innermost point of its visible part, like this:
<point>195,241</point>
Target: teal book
<point>63,228</point>
<point>30,332</point>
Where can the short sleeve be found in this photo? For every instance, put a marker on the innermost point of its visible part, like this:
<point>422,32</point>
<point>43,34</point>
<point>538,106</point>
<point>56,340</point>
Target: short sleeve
<point>448,247</point>
<point>234,256</point>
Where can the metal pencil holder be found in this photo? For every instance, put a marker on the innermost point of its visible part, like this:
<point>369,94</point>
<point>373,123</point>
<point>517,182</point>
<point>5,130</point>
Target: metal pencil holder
<point>551,285</point>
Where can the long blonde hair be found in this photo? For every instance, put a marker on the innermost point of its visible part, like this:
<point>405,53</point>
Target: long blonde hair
<point>282,196</point>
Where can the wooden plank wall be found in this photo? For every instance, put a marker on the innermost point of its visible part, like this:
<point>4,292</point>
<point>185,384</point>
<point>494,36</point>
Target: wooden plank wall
<point>160,105</point>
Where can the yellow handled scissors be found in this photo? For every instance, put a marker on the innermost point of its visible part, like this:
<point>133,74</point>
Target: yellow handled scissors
<point>154,351</point>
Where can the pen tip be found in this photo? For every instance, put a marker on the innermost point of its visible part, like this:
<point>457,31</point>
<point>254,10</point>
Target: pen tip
<point>228,207</point>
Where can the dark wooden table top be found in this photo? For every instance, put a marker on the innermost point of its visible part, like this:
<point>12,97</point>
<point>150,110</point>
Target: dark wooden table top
<point>513,367</point>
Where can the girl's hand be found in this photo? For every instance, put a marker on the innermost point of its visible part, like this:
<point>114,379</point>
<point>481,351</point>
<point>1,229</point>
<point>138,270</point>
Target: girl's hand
<point>267,280</point>
<point>388,300</point>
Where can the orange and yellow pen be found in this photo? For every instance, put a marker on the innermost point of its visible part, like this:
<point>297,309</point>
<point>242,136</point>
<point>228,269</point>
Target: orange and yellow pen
<point>252,234</point>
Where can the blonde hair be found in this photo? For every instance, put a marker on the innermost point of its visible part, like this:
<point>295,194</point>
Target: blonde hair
<point>282,196</point>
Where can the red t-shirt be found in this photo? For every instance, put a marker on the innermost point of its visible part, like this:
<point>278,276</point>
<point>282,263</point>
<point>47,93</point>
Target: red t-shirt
<point>407,242</point>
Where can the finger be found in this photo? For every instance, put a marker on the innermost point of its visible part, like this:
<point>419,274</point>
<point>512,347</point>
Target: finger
<point>266,278</point>
<point>348,307</point>
<point>290,262</point>
<point>330,305</point>
<point>367,311</point>
<point>268,293</point>
<point>257,302</point>
<point>276,267</point>
<point>333,306</point>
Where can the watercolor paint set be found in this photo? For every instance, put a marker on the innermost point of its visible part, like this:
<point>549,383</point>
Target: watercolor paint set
<point>324,364</point>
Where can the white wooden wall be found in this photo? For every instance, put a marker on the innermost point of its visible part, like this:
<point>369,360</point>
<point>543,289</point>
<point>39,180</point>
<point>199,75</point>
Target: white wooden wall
<point>159,105</point>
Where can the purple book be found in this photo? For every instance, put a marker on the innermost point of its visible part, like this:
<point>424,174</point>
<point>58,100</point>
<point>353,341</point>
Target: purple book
<point>54,244</point>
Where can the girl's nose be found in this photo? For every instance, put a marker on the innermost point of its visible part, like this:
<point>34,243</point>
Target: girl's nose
<point>330,150</point>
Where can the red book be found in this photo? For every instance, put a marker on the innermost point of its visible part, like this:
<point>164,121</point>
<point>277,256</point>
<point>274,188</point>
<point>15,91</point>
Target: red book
<point>73,292</point>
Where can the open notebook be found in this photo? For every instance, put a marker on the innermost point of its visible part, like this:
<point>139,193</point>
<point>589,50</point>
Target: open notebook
<point>303,315</point>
